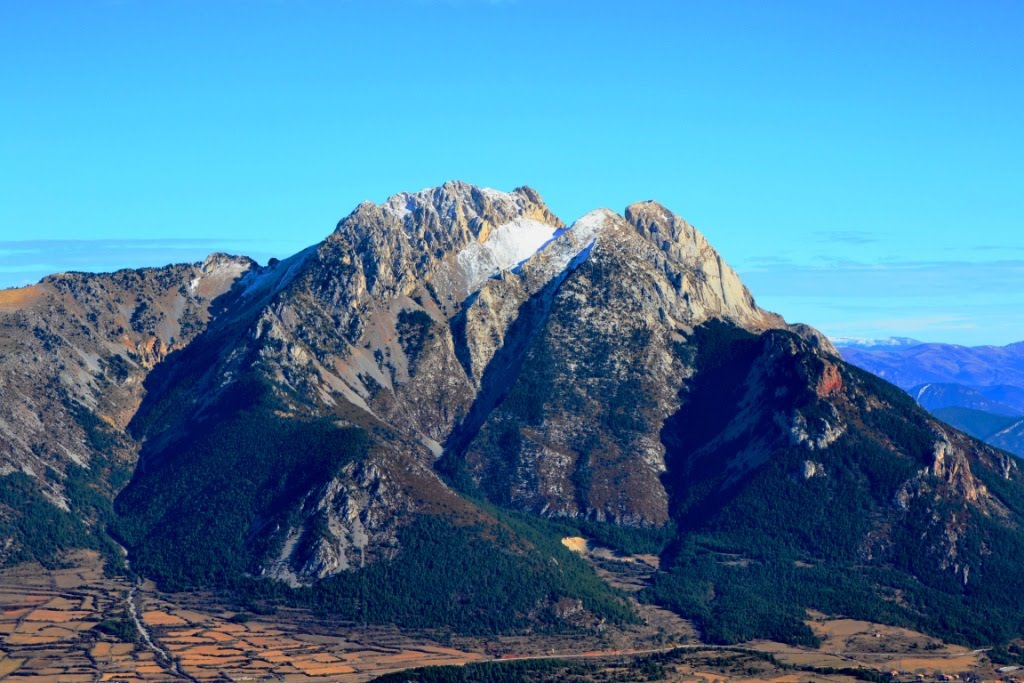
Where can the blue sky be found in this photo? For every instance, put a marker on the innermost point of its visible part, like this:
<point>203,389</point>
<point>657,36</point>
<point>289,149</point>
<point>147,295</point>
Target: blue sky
<point>860,163</point>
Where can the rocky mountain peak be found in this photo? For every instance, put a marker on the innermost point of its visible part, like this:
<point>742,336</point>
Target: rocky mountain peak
<point>456,207</point>
<point>661,226</point>
<point>706,284</point>
<point>219,259</point>
<point>450,239</point>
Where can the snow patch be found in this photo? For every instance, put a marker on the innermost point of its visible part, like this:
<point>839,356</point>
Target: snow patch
<point>507,247</point>
<point>1012,430</point>
<point>567,248</point>
<point>524,247</point>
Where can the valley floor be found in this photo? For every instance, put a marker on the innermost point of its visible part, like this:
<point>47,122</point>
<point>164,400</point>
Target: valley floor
<point>74,624</point>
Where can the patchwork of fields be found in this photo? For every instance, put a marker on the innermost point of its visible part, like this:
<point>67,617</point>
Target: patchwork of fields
<point>76,625</point>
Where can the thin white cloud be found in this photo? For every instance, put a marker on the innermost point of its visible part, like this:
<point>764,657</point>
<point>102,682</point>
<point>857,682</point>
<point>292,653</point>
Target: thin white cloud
<point>27,261</point>
<point>849,237</point>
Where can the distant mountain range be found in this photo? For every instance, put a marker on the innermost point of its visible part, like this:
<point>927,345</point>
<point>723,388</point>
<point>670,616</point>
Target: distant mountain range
<point>979,389</point>
<point>869,343</point>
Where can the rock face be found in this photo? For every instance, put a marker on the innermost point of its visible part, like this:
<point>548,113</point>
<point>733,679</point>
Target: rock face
<point>457,341</point>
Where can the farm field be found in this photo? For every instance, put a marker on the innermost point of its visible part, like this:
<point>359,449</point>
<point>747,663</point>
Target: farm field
<point>75,624</point>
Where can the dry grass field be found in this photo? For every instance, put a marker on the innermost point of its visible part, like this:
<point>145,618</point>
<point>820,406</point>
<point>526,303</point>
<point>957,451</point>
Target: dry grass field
<point>900,652</point>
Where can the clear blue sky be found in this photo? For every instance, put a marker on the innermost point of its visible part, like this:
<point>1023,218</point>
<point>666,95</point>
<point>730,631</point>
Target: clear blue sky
<point>860,163</point>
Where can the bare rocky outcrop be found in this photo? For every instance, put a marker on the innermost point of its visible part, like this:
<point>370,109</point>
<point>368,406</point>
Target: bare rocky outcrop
<point>344,524</point>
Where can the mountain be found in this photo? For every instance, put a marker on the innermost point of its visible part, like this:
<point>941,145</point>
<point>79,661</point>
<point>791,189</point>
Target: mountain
<point>977,423</point>
<point>999,430</point>
<point>1009,438</point>
<point>431,350</point>
<point>1007,395</point>
<point>971,388</point>
<point>909,366</point>
<point>400,423</point>
<point>937,396</point>
<point>869,343</point>
<point>74,352</point>
<point>353,361</point>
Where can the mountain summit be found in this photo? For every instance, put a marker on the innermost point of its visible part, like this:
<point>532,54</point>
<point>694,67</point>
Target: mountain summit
<point>399,423</point>
<point>419,318</point>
